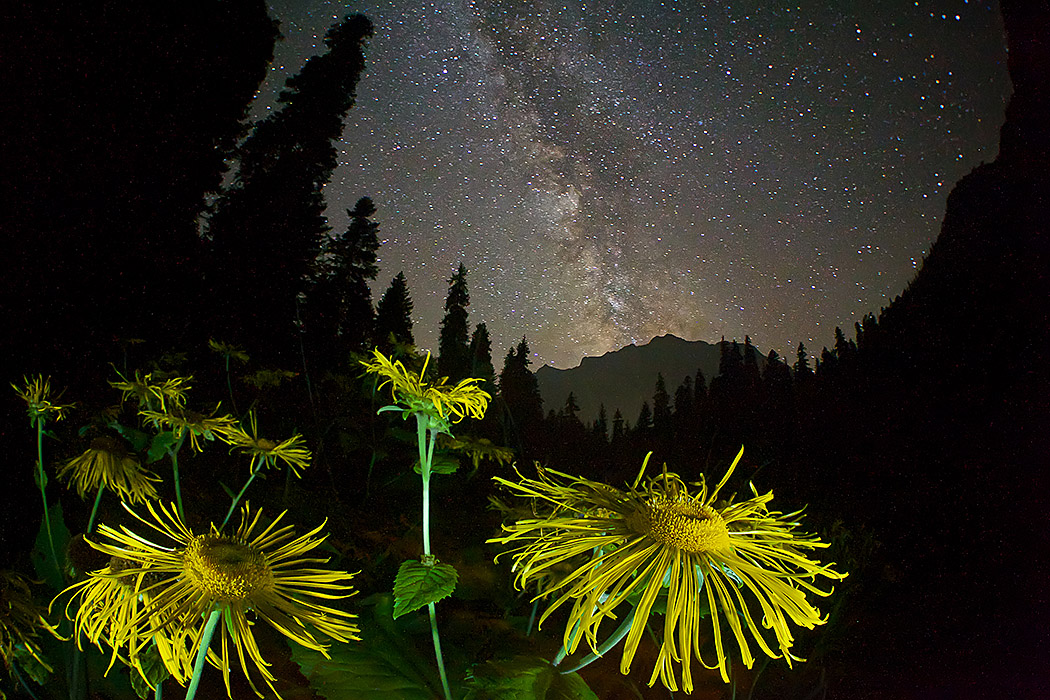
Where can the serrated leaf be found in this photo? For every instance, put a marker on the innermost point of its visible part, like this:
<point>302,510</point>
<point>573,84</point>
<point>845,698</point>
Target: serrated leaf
<point>525,678</point>
<point>160,445</point>
<point>442,464</point>
<point>384,666</point>
<point>417,585</point>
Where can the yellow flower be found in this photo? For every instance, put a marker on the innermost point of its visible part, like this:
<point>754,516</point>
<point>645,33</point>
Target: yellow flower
<point>40,405</point>
<point>657,538</point>
<point>108,462</point>
<point>109,603</point>
<point>20,621</point>
<point>247,576</point>
<point>291,451</point>
<point>478,449</point>
<point>182,421</point>
<point>227,350</point>
<point>153,393</point>
<point>439,400</point>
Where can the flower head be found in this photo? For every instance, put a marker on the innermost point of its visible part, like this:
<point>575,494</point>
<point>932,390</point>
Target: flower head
<point>478,449</point>
<point>442,402</point>
<point>20,621</point>
<point>153,393</point>
<point>227,350</point>
<point>709,558</point>
<point>40,405</point>
<point>255,573</point>
<point>291,451</point>
<point>107,462</point>
<point>182,422</point>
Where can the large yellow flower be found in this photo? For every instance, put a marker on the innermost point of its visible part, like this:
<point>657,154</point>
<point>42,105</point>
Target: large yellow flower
<point>292,451</point>
<point>438,400</point>
<point>709,558</point>
<point>107,462</point>
<point>245,576</point>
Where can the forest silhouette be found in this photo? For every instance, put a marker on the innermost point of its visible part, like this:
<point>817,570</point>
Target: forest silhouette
<point>144,214</point>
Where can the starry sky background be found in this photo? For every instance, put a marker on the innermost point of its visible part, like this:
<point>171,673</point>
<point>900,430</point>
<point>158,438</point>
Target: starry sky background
<point>609,171</point>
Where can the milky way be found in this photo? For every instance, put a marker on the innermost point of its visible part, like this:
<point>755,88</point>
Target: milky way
<point>612,171</point>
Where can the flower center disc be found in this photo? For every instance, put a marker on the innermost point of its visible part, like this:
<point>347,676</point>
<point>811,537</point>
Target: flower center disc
<point>226,570</point>
<point>683,524</point>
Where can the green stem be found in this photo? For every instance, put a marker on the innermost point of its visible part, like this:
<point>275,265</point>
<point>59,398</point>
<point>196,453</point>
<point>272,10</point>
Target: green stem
<point>202,652</point>
<point>437,651</point>
<point>174,454</point>
<point>612,641</point>
<point>426,459</point>
<point>40,480</point>
<point>257,464</point>
<point>229,386</point>
<point>94,508</point>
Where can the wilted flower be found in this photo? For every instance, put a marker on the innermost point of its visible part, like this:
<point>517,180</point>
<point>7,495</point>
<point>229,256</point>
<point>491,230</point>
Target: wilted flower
<point>709,558</point>
<point>20,621</point>
<point>107,462</point>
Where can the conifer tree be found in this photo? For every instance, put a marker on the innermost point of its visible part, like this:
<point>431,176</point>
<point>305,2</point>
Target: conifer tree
<point>601,425</point>
<point>644,423</point>
<point>339,299</point>
<point>571,410</point>
<point>802,369</point>
<point>454,357</point>
<point>619,429</point>
<point>481,357</point>
<point>267,228</point>
<point>394,316</point>
<point>752,375</point>
<point>661,406</point>
<point>523,405</point>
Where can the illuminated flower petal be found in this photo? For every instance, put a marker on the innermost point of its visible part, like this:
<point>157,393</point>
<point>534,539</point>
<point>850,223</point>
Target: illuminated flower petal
<point>657,538</point>
<point>108,463</point>
<point>437,399</point>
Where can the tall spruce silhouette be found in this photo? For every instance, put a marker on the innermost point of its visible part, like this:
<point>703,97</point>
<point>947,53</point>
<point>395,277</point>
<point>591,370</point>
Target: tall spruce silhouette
<point>521,400</point>
<point>338,314</point>
<point>394,316</point>
<point>267,228</point>
<point>454,358</point>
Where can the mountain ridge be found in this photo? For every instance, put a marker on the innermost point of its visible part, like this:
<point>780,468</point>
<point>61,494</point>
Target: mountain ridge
<point>625,378</point>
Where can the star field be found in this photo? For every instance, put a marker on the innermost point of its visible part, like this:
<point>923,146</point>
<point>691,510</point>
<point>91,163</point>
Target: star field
<point>611,171</point>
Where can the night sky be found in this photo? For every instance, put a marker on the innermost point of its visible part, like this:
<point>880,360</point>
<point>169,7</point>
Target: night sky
<point>611,171</point>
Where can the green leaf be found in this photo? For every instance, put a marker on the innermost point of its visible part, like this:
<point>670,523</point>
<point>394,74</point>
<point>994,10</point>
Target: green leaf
<point>417,585</point>
<point>153,666</point>
<point>137,438</point>
<point>160,445</point>
<point>29,665</point>
<point>525,678</point>
<point>443,464</point>
<point>386,665</point>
